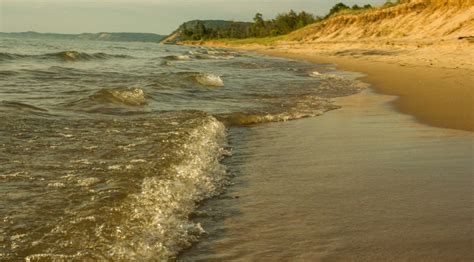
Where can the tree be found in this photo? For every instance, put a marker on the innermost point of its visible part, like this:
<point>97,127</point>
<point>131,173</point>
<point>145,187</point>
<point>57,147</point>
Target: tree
<point>283,23</point>
<point>337,8</point>
<point>258,27</point>
<point>199,30</point>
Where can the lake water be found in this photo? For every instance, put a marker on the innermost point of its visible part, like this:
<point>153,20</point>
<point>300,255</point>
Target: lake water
<point>107,149</point>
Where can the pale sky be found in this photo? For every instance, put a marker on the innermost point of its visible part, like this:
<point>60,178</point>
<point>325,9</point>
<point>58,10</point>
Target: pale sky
<point>148,16</point>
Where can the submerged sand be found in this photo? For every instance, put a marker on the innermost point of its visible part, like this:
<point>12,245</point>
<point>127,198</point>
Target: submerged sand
<point>363,183</point>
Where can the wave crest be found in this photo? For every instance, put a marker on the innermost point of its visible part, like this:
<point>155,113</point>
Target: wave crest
<point>160,211</point>
<point>209,80</point>
<point>178,57</point>
<point>130,97</point>
<point>10,56</point>
<point>20,107</point>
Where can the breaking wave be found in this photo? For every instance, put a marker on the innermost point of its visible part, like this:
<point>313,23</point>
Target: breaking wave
<point>129,97</point>
<point>178,57</point>
<point>159,226</point>
<point>126,187</point>
<point>210,80</point>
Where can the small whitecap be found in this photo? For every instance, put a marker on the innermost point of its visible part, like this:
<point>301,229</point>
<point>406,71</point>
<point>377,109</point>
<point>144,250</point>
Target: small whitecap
<point>210,80</point>
<point>133,161</point>
<point>315,74</point>
<point>81,161</point>
<point>88,181</point>
<point>114,167</point>
<point>57,185</point>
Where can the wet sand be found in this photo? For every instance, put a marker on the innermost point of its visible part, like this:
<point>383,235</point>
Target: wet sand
<point>363,183</point>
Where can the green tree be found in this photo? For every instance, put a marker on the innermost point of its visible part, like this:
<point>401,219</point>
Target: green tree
<point>337,8</point>
<point>258,27</point>
<point>199,31</point>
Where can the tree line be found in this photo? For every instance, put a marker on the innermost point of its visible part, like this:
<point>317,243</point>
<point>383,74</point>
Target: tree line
<point>282,24</point>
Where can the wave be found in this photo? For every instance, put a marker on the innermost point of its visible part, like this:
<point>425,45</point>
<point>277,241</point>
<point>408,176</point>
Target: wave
<point>129,97</point>
<point>244,65</point>
<point>306,106</point>
<point>10,56</point>
<point>166,63</point>
<point>202,54</point>
<point>20,107</point>
<point>80,56</point>
<point>63,56</point>
<point>212,54</point>
<point>159,226</point>
<point>317,74</point>
<point>207,79</point>
<point>8,73</point>
<point>143,194</point>
<point>178,57</point>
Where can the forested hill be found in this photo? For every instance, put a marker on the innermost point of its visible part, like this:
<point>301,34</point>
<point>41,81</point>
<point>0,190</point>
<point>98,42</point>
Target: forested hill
<point>198,29</point>
<point>282,24</point>
<point>117,37</point>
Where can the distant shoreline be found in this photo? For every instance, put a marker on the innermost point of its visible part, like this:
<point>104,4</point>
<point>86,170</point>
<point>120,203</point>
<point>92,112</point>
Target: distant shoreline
<point>103,36</point>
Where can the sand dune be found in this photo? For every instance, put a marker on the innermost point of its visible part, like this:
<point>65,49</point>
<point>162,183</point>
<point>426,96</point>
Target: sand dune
<point>418,19</point>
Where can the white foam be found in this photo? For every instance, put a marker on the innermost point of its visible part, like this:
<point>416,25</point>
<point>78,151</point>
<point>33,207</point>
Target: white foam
<point>209,80</point>
<point>57,185</point>
<point>88,181</point>
<point>183,57</point>
<point>158,226</point>
<point>325,76</point>
<point>315,74</point>
<point>138,161</point>
<point>114,167</point>
<point>134,96</point>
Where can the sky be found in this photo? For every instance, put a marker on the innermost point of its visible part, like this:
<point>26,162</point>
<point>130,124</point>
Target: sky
<point>147,16</point>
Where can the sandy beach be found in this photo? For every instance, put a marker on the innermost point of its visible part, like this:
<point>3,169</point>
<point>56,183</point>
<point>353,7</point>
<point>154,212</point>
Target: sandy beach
<point>363,183</point>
